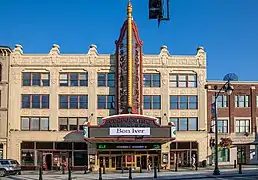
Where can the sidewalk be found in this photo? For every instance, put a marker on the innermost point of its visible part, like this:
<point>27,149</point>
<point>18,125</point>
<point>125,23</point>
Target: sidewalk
<point>145,175</point>
<point>185,170</point>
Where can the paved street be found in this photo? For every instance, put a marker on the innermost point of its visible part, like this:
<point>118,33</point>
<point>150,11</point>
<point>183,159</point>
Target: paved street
<point>207,174</point>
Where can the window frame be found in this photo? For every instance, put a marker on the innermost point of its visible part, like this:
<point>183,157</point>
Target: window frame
<point>239,126</point>
<point>41,102</point>
<point>179,102</point>
<point>78,125</point>
<point>151,101</point>
<point>246,101</point>
<point>222,101</point>
<point>31,79</point>
<point>106,102</point>
<point>177,123</point>
<point>222,120</point>
<point>69,79</point>
<point>30,119</point>
<point>186,81</point>
<point>151,80</point>
<point>106,80</point>
<point>69,101</point>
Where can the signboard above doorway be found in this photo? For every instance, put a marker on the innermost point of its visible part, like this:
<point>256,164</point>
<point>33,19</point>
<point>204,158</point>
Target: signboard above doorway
<point>106,146</point>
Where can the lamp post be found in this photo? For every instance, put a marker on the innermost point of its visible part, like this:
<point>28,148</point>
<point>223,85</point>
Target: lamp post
<point>226,88</point>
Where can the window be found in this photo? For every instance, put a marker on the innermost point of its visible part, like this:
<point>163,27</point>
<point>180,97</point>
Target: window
<point>106,102</point>
<point>222,101</point>
<point>185,124</point>
<point>34,123</point>
<point>35,101</point>
<point>100,120</point>
<point>73,79</point>
<point>72,123</point>
<point>106,79</point>
<point>222,126</point>
<point>151,80</point>
<point>242,101</point>
<point>223,155</point>
<point>73,101</point>
<point>242,126</point>
<point>183,102</point>
<point>151,102</point>
<point>182,80</point>
<point>35,79</point>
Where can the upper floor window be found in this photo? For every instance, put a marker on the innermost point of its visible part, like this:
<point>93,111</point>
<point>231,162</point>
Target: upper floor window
<point>34,123</point>
<point>185,124</point>
<point>242,125</point>
<point>73,101</point>
<point>182,80</point>
<point>71,123</point>
<point>183,102</point>
<point>151,80</point>
<point>152,102</point>
<point>242,101</point>
<point>222,101</point>
<point>35,79</point>
<point>35,101</point>
<point>73,79</point>
<point>222,126</point>
<point>106,79</point>
<point>106,102</point>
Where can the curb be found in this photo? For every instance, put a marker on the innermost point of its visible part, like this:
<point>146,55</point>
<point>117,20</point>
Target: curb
<point>214,176</point>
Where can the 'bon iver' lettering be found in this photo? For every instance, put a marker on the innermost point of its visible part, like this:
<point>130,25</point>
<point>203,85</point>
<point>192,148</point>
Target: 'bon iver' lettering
<point>129,131</point>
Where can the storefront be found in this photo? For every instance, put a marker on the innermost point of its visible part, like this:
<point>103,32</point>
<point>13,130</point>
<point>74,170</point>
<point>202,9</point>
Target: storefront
<point>183,152</point>
<point>52,154</point>
<point>128,140</point>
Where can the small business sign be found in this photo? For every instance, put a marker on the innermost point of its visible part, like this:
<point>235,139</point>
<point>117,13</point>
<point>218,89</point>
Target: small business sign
<point>126,131</point>
<point>128,146</point>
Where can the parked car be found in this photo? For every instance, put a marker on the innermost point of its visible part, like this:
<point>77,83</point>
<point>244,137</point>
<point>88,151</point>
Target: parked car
<point>9,166</point>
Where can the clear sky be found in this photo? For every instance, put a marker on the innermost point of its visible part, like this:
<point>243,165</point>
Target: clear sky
<point>228,29</point>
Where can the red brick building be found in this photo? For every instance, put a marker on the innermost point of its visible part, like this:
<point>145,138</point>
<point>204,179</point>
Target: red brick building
<point>237,119</point>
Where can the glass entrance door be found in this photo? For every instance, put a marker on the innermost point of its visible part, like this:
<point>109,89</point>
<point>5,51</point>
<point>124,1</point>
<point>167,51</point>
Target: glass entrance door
<point>138,161</point>
<point>104,160</point>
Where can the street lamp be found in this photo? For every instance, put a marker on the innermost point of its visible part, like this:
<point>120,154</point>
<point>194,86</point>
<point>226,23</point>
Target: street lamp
<point>226,88</point>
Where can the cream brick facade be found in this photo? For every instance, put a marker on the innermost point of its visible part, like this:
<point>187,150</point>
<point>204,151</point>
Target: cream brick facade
<point>93,62</point>
<point>4,66</point>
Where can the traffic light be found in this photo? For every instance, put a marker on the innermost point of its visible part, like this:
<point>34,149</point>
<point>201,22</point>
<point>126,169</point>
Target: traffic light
<point>155,9</point>
<point>159,9</point>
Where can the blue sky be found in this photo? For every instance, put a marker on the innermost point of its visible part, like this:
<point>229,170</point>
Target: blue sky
<point>226,28</point>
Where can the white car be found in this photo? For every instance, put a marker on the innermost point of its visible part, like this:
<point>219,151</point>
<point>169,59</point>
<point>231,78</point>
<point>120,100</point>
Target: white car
<point>9,166</point>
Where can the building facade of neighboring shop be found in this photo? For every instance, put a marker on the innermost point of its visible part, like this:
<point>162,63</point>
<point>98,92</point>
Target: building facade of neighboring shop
<point>237,120</point>
<point>52,95</point>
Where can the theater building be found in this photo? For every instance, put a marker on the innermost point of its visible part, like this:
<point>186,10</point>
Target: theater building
<point>114,109</point>
<point>237,120</point>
